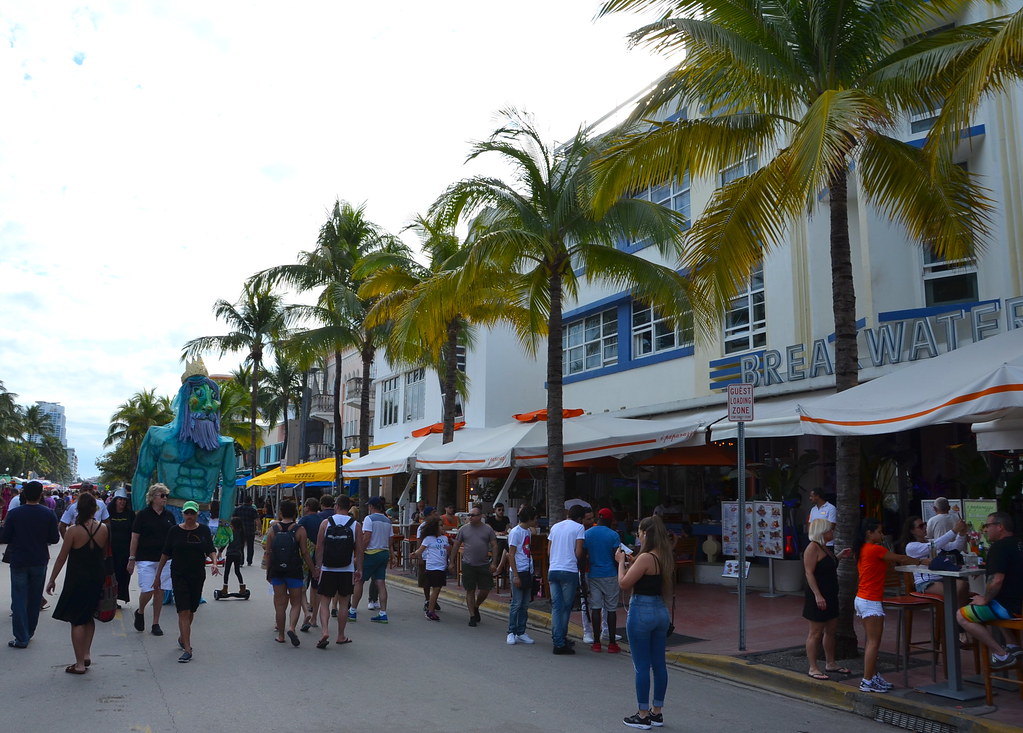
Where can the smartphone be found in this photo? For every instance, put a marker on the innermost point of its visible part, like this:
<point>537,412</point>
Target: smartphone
<point>624,548</point>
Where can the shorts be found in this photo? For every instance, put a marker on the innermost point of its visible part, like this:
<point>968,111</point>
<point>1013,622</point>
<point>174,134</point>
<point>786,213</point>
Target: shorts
<point>374,565</point>
<point>922,586</point>
<point>477,577</point>
<point>866,609</point>
<point>291,583</point>
<point>991,611</point>
<point>435,578</point>
<point>188,592</point>
<point>336,583</point>
<point>146,571</point>
<point>604,594</point>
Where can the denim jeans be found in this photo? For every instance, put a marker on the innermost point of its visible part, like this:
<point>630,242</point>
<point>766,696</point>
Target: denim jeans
<point>26,595</point>
<point>563,585</point>
<point>647,627</point>
<point>518,611</point>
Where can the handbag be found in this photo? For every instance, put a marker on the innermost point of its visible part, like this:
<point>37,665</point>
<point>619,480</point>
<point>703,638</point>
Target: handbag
<point>106,609</point>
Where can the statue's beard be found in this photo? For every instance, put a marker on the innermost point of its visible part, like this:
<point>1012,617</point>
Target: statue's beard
<point>203,431</point>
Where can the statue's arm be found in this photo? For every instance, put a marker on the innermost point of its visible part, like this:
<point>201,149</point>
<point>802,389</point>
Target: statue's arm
<point>227,492</point>
<point>143,473</point>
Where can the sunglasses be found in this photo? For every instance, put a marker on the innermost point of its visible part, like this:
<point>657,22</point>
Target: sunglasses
<point>163,496</point>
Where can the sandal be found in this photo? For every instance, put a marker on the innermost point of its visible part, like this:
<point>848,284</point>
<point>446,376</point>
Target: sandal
<point>343,641</point>
<point>70,669</point>
<point>817,676</point>
<point>323,643</point>
<point>838,670</point>
<point>279,641</point>
<point>294,638</point>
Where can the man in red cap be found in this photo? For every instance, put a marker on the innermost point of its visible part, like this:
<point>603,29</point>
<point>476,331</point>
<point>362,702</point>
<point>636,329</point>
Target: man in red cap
<point>601,542</point>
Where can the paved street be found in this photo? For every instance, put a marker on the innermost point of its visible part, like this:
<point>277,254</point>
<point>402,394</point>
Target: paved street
<point>412,674</point>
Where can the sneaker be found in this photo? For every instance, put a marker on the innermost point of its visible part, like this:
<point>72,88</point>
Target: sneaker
<point>998,662</point>
<point>879,680</point>
<point>156,630</point>
<point>372,605</point>
<point>871,686</point>
<point>432,616</point>
<point>472,621</point>
<point>333,613</point>
<point>477,617</point>
<point>511,640</point>
<point>140,621</point>
<point>596,647</point>
<point>613,648</point>
<point>564,649</point>
<point>635,721</point>
<point>524,639</point>
<point>605,637</point>
<point>1014,651</point>
<point>380,618</point>
<point>656,719</point>
<point>353,616</point>
<point>588,637</point>
<point>185,657</point>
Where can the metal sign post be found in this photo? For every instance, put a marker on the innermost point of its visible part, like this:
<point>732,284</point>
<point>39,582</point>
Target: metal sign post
<point>740,411</point>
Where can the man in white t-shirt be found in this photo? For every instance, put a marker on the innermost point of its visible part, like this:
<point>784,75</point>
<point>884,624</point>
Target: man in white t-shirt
<point>71,513</point>
<point>942,521</point>
<point>822,509</point>
<point>566,549</point>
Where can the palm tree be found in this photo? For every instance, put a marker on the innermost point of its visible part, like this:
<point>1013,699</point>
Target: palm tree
<point>132,420</point>
<point>540,231</point>
<point>343,240</point>
<point>257,321</point>
<point>235,407</point>
<point>35,423</point>
<point>284,388</point>
<point>830,80</point>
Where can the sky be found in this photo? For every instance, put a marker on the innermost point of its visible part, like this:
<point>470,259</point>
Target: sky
<point>154,155</point>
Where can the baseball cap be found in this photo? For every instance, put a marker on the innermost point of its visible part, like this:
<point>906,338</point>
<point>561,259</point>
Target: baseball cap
<point>606,513</point>
<point>190,506</point>
<point>429,510</point>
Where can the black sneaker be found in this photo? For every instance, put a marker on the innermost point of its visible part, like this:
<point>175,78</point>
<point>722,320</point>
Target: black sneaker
<point>156,630</point>
<point>634,721</point>
<point>185,657</point>
<point>333,613</point>
<point>140,621</point>
<point>476,617</point>
<point>564,650</point>
<point>472,620</point>
<point>1001,663</point>
<point>656,719</point>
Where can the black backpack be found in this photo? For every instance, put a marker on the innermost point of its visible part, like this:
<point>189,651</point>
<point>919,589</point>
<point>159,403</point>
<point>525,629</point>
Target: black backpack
<point>285,559</point>
<point>338,544</point>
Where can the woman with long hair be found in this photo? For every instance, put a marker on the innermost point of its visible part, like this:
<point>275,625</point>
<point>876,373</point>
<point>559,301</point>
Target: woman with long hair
<point>873,560</point>
<point>433,553</point>
<point>820,608</point>
<point>84,550</point>
<point>650,577</point>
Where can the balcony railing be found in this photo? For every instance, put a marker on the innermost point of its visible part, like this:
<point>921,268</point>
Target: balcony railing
<point>322,404</point>
<point>319,451</point>
<point>353,392</point>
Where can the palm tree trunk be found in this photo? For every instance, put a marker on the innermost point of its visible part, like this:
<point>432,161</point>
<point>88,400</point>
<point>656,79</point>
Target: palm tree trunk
<point>555,402</point>
<point>284,453</point>
<point>257,357</point>
<point>338,437</point>
<point>847,449</point>
<point>447,479</point>
<point>368,351</point>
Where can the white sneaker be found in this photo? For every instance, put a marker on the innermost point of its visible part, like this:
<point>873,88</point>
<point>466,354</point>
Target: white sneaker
<point>588,638</point>
<point>511,639</point>
<point>373,605</point>
<point>524,639</point>
<point>604,637</point>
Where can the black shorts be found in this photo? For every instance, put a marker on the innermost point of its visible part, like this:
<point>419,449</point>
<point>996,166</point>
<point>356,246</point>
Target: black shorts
<point>477,576</point>
<point>336,584</point>
<point>187,592</point>
<point>435,578</point>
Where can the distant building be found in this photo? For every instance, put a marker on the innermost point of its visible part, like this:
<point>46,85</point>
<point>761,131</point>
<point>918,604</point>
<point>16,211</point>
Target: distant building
<point>54,411</point>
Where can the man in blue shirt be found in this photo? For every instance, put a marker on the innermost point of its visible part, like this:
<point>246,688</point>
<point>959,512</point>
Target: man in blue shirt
<point>601,542</point>
<point>28,530</point>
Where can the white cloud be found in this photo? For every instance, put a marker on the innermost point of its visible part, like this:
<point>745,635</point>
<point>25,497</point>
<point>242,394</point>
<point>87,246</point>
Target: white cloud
<point>159,153</point>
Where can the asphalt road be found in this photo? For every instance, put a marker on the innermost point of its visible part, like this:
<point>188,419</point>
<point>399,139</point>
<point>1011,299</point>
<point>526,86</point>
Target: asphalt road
<point>410,675</point>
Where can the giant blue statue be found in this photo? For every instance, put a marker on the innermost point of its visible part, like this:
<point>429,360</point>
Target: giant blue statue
<point>190,455</point>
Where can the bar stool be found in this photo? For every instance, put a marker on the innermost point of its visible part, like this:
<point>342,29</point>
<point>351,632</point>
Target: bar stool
<point>985,662</point>
<point>906,606</point>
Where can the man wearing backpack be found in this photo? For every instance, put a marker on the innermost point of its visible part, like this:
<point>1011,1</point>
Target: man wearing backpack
<point>286,547</point>
<point>339,557</point>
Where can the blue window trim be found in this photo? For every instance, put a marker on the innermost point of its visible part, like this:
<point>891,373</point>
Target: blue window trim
<point>975,131</point>
<point>934,310</point>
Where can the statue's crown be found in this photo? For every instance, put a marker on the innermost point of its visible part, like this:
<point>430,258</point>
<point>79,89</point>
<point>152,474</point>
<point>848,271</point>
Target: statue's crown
<point>194,369</point>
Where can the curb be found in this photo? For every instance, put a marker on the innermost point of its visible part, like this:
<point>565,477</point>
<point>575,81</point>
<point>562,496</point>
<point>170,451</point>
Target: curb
<point>770,679</point>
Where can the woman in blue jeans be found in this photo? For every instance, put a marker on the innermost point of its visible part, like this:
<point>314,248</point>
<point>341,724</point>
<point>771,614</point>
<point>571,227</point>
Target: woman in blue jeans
<point>649,576</point>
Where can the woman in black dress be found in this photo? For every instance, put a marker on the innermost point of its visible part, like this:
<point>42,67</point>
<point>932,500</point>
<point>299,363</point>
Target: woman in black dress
<point>84,550</point>
<point>122,519</point>
<point>821,606</point>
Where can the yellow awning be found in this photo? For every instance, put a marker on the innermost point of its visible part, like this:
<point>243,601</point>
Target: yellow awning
<point>322,470</point>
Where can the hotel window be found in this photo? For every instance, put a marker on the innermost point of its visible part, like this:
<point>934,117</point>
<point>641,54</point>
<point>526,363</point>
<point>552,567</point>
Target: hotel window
<point>947,282</point>
<point>674,195</point>
<point>415,395</point>
<point>389,394</point>
<point>591,342</point>
<point>746,318</point>
<point>743,168</point>
<point>652,333</point>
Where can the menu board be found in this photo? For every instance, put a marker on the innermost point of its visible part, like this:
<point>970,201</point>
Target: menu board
<point>731,569</point>
<point>765,535</point>
<point>975,511</point>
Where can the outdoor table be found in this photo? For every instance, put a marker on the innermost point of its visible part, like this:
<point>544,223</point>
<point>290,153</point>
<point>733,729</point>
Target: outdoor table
<point>953,686</point>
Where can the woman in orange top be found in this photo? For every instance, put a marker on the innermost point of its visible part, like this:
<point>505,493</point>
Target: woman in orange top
<point>873,559</point>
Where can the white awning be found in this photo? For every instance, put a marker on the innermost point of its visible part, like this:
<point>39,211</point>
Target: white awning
<point>777,417</point>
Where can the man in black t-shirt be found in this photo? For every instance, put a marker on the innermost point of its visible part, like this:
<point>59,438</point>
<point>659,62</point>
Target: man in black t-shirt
<point>1003,594</point>
<point>148,535</point>
<point>499,521</point>
<point>249,516</point>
